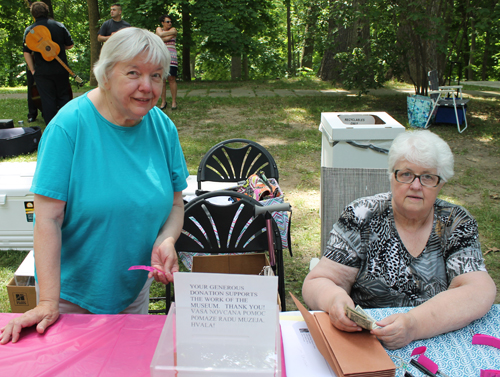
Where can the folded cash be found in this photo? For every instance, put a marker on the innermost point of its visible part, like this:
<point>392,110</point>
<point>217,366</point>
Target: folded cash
<point>361,318</point>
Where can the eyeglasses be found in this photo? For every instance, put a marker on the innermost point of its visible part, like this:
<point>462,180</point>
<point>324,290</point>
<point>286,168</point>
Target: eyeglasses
<point>427,180</point>
<point>168,22</point>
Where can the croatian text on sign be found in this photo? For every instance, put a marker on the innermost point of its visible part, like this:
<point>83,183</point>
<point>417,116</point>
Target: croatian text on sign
<point>226,305</point>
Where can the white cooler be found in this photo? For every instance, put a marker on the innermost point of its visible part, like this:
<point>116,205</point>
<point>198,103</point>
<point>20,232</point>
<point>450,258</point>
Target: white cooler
<point>353,160</point>
<point>16,205</point>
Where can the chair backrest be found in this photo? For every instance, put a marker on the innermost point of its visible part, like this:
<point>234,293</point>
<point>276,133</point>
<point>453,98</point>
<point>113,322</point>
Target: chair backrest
<point>234,228</point>
<point>433,83</point>
<point>223,163</point>
<point>215,228</point>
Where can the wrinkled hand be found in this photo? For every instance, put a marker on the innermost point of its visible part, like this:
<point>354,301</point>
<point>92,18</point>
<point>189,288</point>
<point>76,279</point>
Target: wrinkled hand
<point>397,330</point>
<point>338,316</point>
<point>164,258</point>
<point>44,315</point>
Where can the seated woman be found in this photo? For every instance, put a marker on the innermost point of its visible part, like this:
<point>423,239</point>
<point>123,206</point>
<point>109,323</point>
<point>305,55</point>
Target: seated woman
<point>405,248</point>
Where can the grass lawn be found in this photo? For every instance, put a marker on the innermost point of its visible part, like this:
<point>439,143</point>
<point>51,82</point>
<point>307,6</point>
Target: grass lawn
<point>288,128</point>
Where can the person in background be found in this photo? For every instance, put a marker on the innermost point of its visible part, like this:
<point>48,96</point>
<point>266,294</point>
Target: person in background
<point>112,25</point>
<point>32,108</point>
<point>51,78</point>
<point>168,34</point>
<point>108,191</point>
<point>405,248</point>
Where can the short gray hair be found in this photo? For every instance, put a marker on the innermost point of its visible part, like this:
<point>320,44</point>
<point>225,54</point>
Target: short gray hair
<point>127,44</point>
<point>423,148</point>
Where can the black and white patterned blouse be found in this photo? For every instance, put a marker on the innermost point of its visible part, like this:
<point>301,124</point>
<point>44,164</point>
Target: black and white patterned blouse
<point>365,237</point>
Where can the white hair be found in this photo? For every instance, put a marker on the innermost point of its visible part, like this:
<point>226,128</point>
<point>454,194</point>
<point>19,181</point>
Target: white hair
<point>126,45</point>
<point>423,148</point>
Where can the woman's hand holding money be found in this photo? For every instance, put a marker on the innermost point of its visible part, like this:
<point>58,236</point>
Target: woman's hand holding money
<point>397,330</point>
<point>337,312</point>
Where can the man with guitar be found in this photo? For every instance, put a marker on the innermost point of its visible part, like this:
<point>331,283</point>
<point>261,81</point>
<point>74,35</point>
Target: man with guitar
<point>51,77</point>
<point>112,25</point>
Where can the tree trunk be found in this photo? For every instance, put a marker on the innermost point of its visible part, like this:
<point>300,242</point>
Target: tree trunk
<point>186,43</point>
<point>486,56</point>
<point>236,67</point>
<point>289,35</point>
<point>95,46</point>
<point>245,67</point>
<point>421,50</point>
<point>470,69</point>
<point>342,41</point>
<point>51,9</point>
<point>309,34</point>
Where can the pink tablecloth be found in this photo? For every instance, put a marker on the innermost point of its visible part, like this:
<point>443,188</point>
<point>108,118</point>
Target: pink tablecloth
<point>84,345</point>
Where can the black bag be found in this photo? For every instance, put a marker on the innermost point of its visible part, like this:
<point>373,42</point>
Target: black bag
<point>19,140</point>
<point>6,123</point>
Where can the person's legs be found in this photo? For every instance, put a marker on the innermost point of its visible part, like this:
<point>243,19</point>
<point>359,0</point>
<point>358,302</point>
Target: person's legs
<point>48,95</point>
<point>32,109</point>
<point>163,95</point>
<point>172,83</point>
<point>64,92</point>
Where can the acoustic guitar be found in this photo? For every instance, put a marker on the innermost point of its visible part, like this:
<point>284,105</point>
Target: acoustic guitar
<point>39,39</point>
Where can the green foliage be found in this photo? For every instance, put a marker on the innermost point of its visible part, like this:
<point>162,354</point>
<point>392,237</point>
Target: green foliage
<point>11,42</point>
<point>361,71</point>
<point>145,14</point>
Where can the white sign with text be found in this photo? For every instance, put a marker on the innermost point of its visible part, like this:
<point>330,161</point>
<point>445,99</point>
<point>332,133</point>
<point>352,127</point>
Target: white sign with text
<point>225,316</point>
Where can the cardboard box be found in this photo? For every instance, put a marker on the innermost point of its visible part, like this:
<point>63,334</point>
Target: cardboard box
<point>246,264</point>
<point>25,273</point>
<point>22,298</point>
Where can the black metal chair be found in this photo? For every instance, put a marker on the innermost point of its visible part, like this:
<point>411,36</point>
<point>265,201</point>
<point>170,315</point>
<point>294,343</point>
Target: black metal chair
<point>235,160</point>
<point>447,97</point>
<point>244,226</point>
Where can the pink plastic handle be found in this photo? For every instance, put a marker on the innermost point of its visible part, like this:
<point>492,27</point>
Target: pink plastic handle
<point>424,360</point>
<point>486,340</point>
<point>419,351</point>
<point>428,363</point>
<point>147,268</point>
<point>489,373</point>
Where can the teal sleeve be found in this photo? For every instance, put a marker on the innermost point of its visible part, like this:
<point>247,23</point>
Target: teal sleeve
<point>55,155</point>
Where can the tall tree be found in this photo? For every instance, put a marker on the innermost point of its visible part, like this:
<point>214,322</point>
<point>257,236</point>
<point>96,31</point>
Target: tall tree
<point>95,46</point>
<point>229,26</point>
<point>309,34</point>
<point>187,40</point>
<point>289,35</point>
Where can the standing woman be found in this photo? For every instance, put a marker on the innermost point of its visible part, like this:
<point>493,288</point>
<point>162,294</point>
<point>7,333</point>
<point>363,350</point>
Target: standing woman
<point>108,191</point>
<point>168,34</point>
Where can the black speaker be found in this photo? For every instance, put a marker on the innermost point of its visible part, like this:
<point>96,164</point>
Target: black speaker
<point>19,140</point>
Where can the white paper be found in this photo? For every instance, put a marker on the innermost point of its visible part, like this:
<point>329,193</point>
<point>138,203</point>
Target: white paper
<point>302,358</point>
<point>224,320</point>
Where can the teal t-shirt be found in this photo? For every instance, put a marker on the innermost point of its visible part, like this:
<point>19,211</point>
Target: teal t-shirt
<point>118,184</point>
